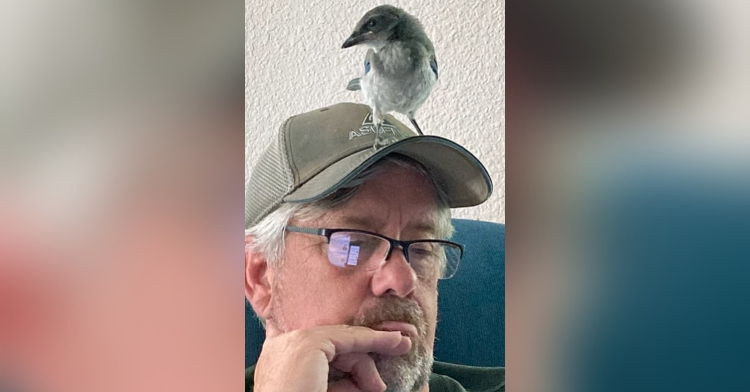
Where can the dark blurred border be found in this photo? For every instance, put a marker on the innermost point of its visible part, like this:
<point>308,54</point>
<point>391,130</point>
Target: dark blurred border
<point>628,215</point>
<point>121,196</point>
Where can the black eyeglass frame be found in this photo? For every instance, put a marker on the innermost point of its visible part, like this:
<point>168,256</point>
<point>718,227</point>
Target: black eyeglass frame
<point>404,245</point>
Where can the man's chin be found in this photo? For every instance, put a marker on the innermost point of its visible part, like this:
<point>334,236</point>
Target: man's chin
<point>404,373</point>
<point>400,374</point>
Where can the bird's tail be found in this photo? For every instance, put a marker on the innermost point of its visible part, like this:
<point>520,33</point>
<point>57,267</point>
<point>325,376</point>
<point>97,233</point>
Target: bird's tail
<point>353,85</point>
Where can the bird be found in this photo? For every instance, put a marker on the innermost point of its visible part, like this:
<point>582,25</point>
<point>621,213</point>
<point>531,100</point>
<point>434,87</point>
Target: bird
<point>400,67</point>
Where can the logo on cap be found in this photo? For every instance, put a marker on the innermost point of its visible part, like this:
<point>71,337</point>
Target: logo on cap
<point>368,127</point>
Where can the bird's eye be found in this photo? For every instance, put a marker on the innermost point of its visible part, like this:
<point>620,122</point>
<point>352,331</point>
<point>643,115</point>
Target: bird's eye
<point>372,23</point>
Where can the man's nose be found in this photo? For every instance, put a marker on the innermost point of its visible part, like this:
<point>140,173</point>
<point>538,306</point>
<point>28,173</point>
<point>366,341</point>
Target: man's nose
<point>395,276</point>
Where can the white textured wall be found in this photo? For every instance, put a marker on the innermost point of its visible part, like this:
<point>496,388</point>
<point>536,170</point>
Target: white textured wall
<point>294,63</point>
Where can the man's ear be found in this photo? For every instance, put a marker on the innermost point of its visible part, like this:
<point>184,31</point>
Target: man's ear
<point>258,280</point>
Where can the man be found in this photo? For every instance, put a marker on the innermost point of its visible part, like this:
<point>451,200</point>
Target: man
<point>344,248</point>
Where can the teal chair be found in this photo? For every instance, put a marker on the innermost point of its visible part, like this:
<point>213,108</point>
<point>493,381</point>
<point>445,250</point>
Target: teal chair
<point>471,305</point>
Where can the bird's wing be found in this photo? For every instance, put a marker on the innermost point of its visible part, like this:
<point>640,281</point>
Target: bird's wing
<point>353,85</point>
<point>433,65</point>
<point>368,60</point>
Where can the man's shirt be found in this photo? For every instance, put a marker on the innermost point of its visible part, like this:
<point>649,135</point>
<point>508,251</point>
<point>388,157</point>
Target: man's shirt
<point>445,377</point>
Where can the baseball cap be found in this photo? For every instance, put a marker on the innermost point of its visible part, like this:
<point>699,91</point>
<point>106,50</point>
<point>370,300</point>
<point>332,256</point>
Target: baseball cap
<point>317,152</point>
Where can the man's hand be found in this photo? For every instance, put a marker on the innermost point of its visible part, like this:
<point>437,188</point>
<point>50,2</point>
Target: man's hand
<point>300,360</point>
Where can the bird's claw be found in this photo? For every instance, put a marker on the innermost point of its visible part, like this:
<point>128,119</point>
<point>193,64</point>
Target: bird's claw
<point>381,142</point>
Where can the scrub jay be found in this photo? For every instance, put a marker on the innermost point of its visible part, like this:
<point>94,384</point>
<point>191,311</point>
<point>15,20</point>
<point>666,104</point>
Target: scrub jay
<point>400,68</point>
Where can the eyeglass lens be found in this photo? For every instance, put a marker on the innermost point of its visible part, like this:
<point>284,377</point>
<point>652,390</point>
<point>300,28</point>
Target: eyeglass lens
<point>365,251</point>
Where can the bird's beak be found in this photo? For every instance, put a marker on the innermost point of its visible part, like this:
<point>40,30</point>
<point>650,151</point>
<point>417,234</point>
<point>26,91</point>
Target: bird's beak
<point>353,39</point>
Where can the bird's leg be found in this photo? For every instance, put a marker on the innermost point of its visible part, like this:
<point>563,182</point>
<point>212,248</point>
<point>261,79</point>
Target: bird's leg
<point>414,122</point>
<point>380,138</point>
<point>380,141</point>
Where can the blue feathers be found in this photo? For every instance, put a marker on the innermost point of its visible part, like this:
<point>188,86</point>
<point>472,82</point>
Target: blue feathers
<point>433,65</point>
<point>367,65</point>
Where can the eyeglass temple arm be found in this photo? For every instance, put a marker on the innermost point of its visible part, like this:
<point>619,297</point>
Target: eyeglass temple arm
<point>307,230</point>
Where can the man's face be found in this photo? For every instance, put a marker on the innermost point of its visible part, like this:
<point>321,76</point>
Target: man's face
<point>309,291</point>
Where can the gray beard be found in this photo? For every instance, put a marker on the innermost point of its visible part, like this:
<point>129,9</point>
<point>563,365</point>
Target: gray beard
<point>398,373</point>
<point>406,373</point>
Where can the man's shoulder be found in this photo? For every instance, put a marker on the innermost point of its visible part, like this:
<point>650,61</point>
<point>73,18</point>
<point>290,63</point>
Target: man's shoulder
<point>448,377</point>
<point>445,377</point>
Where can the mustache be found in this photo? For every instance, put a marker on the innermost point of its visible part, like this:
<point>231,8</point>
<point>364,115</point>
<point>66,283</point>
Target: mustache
<point>392,309</point>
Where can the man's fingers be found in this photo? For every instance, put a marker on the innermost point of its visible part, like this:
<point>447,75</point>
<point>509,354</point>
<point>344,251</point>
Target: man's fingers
<point>362,369</point>
<point>302,359</point>
<point>344,385</point>
<point>346,339</point>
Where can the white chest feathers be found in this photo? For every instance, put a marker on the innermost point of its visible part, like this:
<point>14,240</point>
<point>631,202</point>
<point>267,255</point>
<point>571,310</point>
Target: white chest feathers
<point>399,80</point>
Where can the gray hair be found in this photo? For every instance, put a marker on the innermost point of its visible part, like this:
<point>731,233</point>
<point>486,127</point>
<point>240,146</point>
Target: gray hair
<point>269,234</point>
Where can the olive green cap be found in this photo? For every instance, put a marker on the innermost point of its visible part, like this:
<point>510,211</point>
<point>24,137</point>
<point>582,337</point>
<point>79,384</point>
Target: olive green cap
<point>317,152</point>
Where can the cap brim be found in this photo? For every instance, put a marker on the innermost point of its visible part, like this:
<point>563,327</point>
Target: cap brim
<point>457,172</point>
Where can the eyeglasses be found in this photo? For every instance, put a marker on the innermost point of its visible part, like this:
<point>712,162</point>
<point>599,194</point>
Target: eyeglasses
<point>364,250</point>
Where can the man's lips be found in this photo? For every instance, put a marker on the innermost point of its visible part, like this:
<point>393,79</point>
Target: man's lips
<point>406,329</point>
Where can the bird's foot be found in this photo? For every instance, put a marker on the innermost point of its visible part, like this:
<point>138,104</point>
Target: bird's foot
<point>381,140</point>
